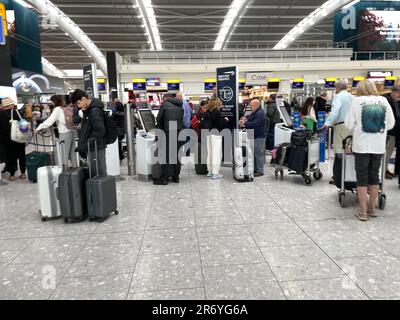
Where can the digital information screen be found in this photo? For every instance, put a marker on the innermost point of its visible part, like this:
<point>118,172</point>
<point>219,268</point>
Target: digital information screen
<point>102,86</point>
<point>273,85</point>
<point>209,86</point>
<point>174,86</point>
<point>242,86</point>
<point>330,84</point>
<point>147,119</point>
<point>140,86</point>
<point>390,83</point>
<point>297,85</point>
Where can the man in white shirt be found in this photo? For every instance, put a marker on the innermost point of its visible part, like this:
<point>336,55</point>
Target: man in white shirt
<point>340,106</point>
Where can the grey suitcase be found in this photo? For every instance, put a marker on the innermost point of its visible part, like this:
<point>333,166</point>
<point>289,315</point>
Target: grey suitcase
<point>72,193</point>
<point>101,192</point>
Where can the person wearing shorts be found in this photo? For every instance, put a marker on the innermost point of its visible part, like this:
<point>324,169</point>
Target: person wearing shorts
<point>369,118</point>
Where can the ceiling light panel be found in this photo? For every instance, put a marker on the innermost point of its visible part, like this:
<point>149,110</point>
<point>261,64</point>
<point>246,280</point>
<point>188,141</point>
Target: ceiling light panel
<point>149,23</point>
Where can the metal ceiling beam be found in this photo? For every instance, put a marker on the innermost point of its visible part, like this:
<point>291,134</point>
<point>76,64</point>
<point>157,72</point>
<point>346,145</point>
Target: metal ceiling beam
<point>124,16</point>
<point>318,15</point>
<point>48,9</point>
<point>127,25</point>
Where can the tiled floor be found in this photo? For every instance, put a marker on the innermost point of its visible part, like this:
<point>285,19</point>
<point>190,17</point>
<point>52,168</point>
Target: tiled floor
<point>203,239</point>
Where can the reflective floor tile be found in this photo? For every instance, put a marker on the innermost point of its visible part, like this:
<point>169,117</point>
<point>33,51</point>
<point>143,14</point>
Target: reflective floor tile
<point>167,272</point>
<point>223,231</point>
<point>116,237</point>
<point>169,241</point>
<point>378,276</point>
<point>184,294</point>
<point>170,221</point>
<point>300,263</point>
<point>229,250</point>
<point>49,250</point>
<point>31,281</point>
<point>104,287</point>
<point>278,234</point>
<point>325,289</point>
<point>241,282</point>
<point>99,259</point>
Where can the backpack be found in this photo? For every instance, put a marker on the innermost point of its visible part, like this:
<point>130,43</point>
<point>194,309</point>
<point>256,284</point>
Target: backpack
<point>111,129</point>
<point>69,117</point>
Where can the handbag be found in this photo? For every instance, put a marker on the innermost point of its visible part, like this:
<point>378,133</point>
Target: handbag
<point>16,134</point>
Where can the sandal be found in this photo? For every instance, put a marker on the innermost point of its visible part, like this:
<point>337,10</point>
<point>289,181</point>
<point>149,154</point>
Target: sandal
<point>372,213</point>
<point>361,216</point>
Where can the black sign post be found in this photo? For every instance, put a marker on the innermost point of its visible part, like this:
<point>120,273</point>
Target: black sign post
<point>90,81</point>
<point>227,91</point>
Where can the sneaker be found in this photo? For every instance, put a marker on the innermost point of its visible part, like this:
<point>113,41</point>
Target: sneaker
<point>258,174</point>
<point>389,175</point>
<point>217,176</point>
<point>210,174</point>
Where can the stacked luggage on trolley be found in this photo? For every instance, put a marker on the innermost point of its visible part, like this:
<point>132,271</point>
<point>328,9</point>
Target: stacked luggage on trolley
<point>297,151</point>
<point>344,174</point>
<point>75,194</point>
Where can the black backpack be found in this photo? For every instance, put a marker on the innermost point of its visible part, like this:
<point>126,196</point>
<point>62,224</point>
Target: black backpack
<point>111,129</point>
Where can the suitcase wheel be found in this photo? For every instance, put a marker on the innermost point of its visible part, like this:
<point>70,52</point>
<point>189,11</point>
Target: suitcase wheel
<point>116,212</point>
<point>66,220</point>
<point>318,175</point>
<point>308,181</point>
<point>382,201</point>
<point>342,198</point>
<point>44,219</point>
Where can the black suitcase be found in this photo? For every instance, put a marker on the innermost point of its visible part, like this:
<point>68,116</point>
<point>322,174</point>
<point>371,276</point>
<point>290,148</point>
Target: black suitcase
<point>337,174</point>
<point>200,167</point>
<point>101,192</point>
<point>298,159</point>
<point>71,192</point>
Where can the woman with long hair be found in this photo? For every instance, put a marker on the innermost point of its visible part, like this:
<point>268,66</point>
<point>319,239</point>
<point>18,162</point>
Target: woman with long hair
<point>214,122</point>
<point>308,109</point>
<point>62,115</point>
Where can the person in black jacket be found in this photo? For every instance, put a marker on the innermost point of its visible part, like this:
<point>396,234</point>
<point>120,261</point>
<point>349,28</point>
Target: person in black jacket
<point>119,119</point>
<point>92,127</point>
<point>320,103</point>
<point>170,120</point>
<point>14,152</point>
<point>393,136</point>
<point>214,122</point>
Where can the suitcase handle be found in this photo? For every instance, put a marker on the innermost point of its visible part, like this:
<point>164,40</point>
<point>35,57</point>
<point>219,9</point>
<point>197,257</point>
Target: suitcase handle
<point>90,156</point>
<point>63,158</point>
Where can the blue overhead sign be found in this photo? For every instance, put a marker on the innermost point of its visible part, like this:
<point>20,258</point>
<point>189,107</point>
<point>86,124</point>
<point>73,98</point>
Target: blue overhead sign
<point>2,32</point>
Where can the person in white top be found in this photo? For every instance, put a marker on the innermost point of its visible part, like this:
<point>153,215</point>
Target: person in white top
<point>369,118</point>
<point>67,135</point>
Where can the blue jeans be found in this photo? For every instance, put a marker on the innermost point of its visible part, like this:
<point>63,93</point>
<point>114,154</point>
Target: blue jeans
<point>259,155</point>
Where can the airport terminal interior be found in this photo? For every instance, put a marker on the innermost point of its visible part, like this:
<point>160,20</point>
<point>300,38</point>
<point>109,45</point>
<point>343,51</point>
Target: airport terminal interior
<point>280,217</point>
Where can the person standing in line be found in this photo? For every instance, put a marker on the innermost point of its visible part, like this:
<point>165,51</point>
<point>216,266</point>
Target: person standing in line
<point>393,135</point>
<point>214,122</point>
<point>274,117</point>
<point>187,115</point>
<point>320,102</point>
<point>257,121</point>
<point>119,119</point>
<point>92,127</point>
<point>62,115</point>
<point>369,118</point>
<point>340,106</point>
<point>170,120</point>
<point>15,152</point>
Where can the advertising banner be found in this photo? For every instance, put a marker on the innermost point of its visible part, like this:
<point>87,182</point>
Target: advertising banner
<point>227,90</point>
<point>2,32</point>
<point>90,82</point>
<point>296,120</point>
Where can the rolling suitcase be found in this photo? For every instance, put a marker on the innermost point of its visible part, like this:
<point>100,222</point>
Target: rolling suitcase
<point>71,192</point>
<point>47,178</point>
<point>200,167</point>
<point>101,192</point>
<point>243,159</point>
<point>297,159</point>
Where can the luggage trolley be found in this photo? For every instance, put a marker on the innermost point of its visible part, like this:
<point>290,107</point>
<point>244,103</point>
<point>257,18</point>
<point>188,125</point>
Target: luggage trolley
<point>348,180</point>
<point>313,161</point>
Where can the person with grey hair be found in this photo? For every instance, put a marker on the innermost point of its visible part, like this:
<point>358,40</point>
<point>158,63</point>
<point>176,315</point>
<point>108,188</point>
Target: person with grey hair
<point>340,106</point>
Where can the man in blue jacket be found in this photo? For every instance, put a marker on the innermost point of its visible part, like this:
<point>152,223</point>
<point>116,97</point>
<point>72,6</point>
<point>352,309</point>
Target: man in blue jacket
<point>257,121</point>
